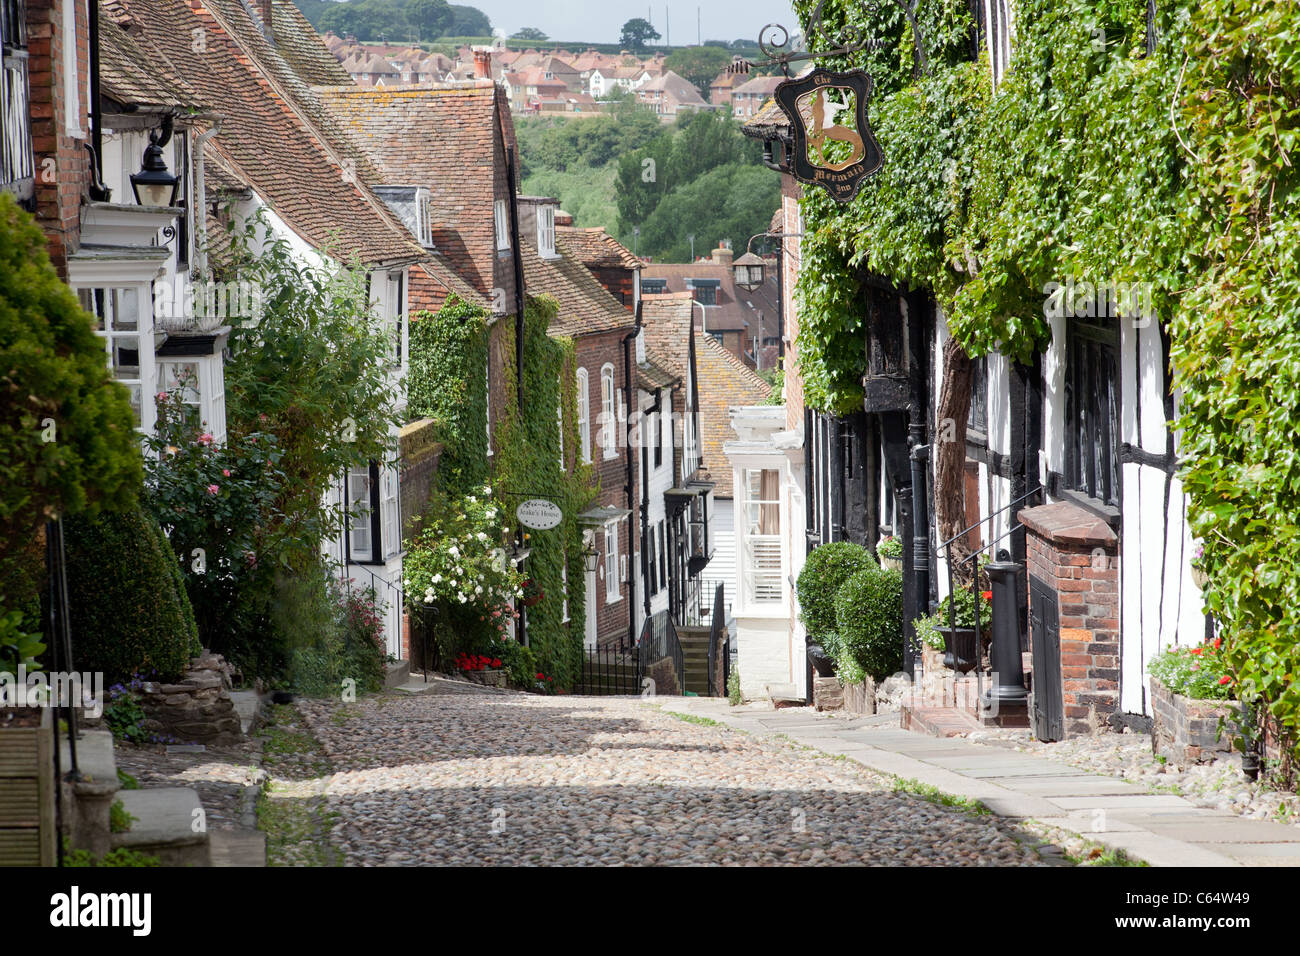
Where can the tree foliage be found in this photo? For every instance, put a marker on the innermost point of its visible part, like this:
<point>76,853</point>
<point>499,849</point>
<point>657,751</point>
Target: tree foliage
<point>699,64</point>
<point>396,21</point>
<point>637,32</point>
<point>67,434</point>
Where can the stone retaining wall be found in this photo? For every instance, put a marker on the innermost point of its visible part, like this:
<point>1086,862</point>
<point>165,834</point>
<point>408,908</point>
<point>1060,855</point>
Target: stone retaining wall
<point>1189,731</point>
<point>197,708</point>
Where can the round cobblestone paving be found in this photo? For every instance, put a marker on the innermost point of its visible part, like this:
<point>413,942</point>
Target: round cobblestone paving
<point>517,779</point>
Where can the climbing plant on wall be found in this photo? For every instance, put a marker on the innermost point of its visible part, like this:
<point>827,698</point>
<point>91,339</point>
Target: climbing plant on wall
<point>448,383</point>
<point>528,464</point>
<point>1104,155</point>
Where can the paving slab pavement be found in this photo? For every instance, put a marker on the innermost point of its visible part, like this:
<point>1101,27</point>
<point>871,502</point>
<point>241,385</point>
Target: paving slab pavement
<point>1162,829</point>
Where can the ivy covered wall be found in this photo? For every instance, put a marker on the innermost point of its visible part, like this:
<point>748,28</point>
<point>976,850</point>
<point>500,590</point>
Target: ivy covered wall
<point>448,383</point>
<point>528,465</point>
<point>1104,157</point>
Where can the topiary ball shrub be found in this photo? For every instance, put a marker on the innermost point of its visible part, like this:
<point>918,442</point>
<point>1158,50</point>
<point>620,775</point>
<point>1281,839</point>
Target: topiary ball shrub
<point>128,611</point>
<point>823,574</point>
<point>869,620</point>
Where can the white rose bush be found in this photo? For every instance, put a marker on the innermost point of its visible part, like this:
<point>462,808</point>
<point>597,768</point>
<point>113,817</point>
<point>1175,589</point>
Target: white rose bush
<point>457,583</point>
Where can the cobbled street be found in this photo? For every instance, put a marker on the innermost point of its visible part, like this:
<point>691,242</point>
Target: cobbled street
<point>497,779</point>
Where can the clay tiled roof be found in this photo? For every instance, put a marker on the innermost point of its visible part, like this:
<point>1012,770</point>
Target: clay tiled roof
<point>733,311</point>
<point>303,48</point>
<point>667,323</point>
<point>440,137</point>
<point>585,306</point>
<point>219,177</point>
<point>680,89</point>
<point>723,381</point>
<point>133,74</point>
<point>652,375</point>
<point>274,131</point>
<point>595,248</point>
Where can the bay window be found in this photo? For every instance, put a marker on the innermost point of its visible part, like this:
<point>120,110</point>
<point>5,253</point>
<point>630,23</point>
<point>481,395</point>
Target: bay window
<point>760,527</point>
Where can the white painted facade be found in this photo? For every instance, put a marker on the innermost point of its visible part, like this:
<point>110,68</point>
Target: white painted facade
<point>766,462</point>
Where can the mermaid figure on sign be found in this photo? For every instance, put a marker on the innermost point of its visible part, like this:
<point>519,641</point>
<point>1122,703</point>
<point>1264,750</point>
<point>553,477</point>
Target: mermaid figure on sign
<point>824,128</point>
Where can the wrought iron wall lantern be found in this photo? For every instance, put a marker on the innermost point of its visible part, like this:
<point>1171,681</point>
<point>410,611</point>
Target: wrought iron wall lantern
<point>831,143</point>
<point>155,185</point>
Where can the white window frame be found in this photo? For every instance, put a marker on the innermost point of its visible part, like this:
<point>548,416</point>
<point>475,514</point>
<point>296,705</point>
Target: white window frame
<point>760,582</point>
<point>390,514</point>
<point>608,414</point>
<point>358,491</point>
<point>395,317</point>
<point>546,232</point>
<point>999,29</point>
<point>424,216</point>
<point>613,593</point>
<point>501,216</point>
<point>71,88</point>
<point>584,414</point>
<point>146,371</point>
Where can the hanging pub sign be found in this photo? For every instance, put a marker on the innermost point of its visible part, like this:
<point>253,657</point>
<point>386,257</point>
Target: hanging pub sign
<point>539,514</point>
<point>833,147</point>
<point>832,144</point>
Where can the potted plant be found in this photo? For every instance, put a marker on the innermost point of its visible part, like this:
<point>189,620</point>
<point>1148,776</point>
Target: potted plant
<point>955,621</point>
<point>1200,577</point>
<point>533,593</point>
<point>890,552</point>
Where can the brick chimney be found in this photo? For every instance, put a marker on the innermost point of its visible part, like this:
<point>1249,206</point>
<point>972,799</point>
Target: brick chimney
<point>483,62</point>
<point>723,254</point>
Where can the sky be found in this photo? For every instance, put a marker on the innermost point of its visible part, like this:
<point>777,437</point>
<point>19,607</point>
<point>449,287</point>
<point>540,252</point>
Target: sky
<point>601,21</point>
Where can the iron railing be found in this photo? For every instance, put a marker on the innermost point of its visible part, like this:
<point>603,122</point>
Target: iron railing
<point>717,635</point>
<point>59,642</point>
<point>608,670</point>
<point>946,546</point>
<point>658,641</point>
<point>697,610</point>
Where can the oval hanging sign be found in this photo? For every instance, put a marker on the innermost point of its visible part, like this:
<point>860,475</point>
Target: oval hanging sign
<point>539,514</point>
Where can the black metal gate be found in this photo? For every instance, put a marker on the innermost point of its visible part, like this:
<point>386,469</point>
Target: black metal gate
<point>1046,707</point>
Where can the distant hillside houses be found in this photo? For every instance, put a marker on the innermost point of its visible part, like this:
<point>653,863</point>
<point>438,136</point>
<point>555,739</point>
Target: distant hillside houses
<point>550,81</point>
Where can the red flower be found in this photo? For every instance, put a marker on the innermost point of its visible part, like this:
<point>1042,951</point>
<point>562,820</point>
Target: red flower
<point>987,595</point>
<point>495,662</point>
<point>1217,642</point>
<point>541,676</point>
<point>1197,650</point>
<point>1225,679</point>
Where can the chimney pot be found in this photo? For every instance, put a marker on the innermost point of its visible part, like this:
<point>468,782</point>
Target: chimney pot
<point>264,10</point>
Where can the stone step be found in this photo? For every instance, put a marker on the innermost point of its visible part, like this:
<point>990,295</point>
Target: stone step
<point>87,801</point>
<point>399,672</point>
<point>248,705</point>
<point>237,847</point>
<point>164,827</point>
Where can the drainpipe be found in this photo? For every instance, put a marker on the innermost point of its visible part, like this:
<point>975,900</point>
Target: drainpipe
<point>201,198</point>
<point>655,410</point>
<point>98,192</point>
<point>629,488</point>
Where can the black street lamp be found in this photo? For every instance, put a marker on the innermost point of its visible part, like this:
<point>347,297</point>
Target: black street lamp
<point>155,185</point>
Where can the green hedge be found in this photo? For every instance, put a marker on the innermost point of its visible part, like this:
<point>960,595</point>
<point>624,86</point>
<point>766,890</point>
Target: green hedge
<point>869,619</point>
<point>129,611</point>
<point>823,574</point>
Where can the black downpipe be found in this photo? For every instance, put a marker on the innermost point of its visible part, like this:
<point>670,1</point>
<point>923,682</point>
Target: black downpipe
<point>97,190</point>
<point>519,332</point>
<point>519,276</point>
<point>655,410</point>
<point>630,487</point>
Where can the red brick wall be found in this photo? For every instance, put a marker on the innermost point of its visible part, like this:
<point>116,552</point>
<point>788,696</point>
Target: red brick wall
<point>592,352</point>
<point>1085,576</point>
<point>61,184</point>
<point>619,283</point>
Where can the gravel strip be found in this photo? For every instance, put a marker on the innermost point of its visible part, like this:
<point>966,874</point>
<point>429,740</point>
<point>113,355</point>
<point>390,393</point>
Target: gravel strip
<point>1219,785</point>
<point>522,779</point>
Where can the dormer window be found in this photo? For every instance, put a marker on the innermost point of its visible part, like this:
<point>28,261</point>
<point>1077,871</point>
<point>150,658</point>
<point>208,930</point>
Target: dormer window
<point>424,217</point>
<point>705,291</point>
<point>546,231</point>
